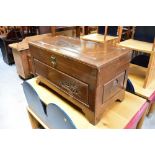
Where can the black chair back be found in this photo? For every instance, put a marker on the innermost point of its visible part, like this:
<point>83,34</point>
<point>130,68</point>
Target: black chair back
<point>145,33</point>
<point>112,30</point>
<point>101,30</point>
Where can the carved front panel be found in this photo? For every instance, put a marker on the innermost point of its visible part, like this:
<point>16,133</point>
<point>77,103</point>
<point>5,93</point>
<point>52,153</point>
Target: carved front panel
<point>70,86</point>
<point>74,88</point>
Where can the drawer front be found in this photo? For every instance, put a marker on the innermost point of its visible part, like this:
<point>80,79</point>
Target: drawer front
<point>64,64</point>
<point>67,84</point>
<point>113,86</point>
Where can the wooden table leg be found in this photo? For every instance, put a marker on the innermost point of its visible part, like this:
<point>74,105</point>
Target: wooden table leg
<point>34,123</point>
<point>140,123</point>
<point>152,108</point>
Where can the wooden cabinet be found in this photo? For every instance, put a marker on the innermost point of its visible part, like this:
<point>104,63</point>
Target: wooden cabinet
<point>23,63</point>
<point>22,56</point>
<point>90,75</point>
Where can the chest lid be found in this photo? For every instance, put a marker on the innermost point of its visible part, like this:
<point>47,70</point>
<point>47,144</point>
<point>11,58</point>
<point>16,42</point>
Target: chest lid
<point>91,53</point>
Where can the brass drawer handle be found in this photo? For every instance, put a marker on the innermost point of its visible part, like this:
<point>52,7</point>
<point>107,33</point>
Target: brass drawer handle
<point>53,61</point>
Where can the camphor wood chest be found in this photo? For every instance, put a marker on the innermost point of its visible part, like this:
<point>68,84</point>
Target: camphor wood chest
<point>90,75</point>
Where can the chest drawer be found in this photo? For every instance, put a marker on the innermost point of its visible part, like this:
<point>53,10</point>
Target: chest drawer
<point>69,85</point>
<point>65,64</point>
<point>113,86</point>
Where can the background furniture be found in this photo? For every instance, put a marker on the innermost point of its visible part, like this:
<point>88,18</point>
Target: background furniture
<point>29,30</point>
<point>44,29</point>
<point>3,30</point>
<point>127,32</point>
<point>127,114</point>
<point>12,37</point>
<point>110,34</point>
<point>88,29</point>
<point>143,41</point>
<point>13,34</point>
<point>22,55</point>
<point>137,77</point>
<point>75,30</point>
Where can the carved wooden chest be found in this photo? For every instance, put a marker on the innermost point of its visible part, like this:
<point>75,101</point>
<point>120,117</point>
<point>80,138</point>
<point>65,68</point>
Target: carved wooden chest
<point>90,75</point>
